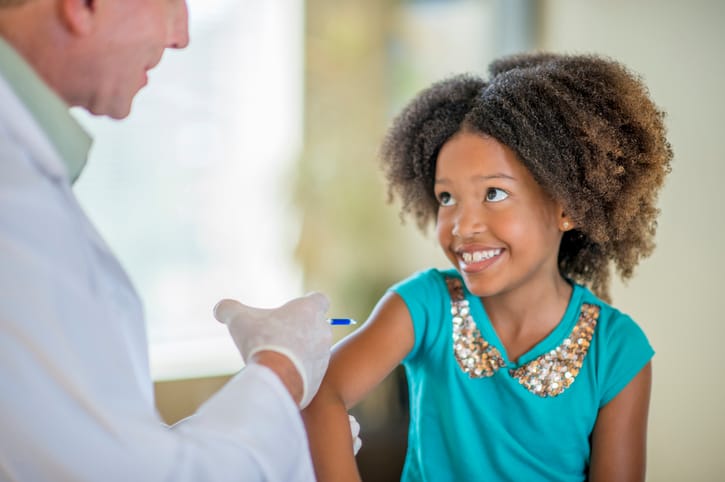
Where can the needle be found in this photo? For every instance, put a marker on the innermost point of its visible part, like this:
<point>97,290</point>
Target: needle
<point>341,321</point>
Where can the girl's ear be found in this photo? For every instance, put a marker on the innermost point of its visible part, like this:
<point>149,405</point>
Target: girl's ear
<point>78,15</point>
<point>565,222</point>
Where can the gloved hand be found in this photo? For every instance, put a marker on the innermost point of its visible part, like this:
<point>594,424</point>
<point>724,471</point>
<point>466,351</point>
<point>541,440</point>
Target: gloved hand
<point>297,329</point>
<point>355,429</point>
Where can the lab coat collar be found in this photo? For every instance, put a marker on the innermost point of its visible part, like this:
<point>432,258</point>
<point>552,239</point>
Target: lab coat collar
<point>48,110</point>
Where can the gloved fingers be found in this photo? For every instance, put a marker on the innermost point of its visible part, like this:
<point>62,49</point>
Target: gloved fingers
<point>354,426</point>
<point>314,302</point>
<point>355,431</point>
<point>227,310</point>
<point>323,303</point>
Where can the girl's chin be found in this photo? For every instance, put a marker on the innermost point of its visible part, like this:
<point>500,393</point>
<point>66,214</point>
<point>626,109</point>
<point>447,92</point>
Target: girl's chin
<point>476,286</point>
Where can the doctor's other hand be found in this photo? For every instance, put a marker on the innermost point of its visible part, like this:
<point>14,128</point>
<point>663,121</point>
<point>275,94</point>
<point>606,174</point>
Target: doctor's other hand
<point>298,330</point>
<point>355,432</point>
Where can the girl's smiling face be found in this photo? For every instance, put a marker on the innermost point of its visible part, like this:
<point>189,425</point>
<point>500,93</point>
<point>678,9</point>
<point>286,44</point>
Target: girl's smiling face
<point>495,223</point>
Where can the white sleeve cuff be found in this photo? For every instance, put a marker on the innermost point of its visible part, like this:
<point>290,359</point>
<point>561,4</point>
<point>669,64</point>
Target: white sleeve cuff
<point>255,415</point>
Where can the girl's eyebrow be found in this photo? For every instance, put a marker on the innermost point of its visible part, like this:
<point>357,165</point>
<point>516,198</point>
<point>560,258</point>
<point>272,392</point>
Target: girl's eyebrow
<point>498,175</point>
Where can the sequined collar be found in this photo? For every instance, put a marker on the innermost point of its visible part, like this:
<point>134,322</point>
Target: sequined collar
<point>547,375</point>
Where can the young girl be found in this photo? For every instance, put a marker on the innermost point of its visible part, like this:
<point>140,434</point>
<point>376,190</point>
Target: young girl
<point>540,181</point>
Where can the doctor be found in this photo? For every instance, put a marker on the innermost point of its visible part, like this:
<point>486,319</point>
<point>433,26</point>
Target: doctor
<point>76,399</point>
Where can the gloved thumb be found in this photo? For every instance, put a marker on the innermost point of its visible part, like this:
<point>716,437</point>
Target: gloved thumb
<point>228,310</point>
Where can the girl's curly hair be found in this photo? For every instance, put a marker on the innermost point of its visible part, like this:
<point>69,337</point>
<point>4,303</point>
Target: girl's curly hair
<point>583,125</point>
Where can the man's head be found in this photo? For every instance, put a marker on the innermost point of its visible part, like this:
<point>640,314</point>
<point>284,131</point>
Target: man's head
<point>95,53</point>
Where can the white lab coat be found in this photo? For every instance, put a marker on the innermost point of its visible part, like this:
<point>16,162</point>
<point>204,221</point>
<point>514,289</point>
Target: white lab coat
<point>76,398</point>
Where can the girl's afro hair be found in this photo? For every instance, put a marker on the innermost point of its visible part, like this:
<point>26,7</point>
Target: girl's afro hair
<point>583,125</point>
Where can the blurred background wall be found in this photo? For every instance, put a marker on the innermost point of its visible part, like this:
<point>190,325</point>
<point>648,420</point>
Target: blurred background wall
<point>360,62</point>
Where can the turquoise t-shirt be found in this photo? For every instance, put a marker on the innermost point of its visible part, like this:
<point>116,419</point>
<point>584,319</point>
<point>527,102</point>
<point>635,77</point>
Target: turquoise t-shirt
<point>477,416</point>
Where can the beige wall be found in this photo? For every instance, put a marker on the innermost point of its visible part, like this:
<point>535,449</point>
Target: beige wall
<point>177,399</point>
<point>679,49</point>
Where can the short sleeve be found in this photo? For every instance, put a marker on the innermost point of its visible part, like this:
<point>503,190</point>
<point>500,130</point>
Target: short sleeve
<point>624,351</point>
<point>424,294</point>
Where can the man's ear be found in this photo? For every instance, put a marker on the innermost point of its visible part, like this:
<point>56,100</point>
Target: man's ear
<point>78,15</point>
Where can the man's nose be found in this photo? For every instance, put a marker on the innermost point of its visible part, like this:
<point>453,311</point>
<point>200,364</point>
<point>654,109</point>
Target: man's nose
<point>178,26</point>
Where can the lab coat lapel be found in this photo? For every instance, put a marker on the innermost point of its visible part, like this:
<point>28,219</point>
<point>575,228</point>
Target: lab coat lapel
<point>22,126</point>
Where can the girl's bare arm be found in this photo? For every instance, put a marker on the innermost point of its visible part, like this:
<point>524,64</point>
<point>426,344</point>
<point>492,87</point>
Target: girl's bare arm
<point>619,440</point>
<point>358,364</point>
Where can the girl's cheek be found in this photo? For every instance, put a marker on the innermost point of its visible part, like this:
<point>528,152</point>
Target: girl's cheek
<point>442,230</point>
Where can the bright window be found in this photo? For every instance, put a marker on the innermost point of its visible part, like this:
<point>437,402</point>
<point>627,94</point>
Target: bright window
<point>193,190</point>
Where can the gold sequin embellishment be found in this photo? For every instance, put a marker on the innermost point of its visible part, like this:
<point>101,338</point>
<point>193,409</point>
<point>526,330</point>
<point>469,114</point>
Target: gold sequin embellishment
<point>552,373</point>
<point>546,376</point>
<point>474,355</point>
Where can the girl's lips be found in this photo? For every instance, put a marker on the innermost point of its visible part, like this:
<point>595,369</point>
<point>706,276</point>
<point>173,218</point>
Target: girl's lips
<point>476,260</point>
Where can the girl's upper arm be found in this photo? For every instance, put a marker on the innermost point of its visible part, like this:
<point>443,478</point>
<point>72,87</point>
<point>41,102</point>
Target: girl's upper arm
<point>359,363</point>
<point>362,360</point>
<point>619,439</point>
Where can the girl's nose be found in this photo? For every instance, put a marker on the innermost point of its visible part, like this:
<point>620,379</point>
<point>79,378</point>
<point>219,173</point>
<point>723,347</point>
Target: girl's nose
<point>468,222</point>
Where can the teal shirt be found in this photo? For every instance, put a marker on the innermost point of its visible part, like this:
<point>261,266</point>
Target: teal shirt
<point>493,428</point>
<point>49,110</point>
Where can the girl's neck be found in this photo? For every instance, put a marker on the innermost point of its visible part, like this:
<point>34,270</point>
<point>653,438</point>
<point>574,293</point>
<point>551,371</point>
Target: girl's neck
<point>532,309</point>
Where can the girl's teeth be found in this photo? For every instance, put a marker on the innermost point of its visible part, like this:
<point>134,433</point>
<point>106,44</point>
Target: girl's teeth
<point>477,256</point>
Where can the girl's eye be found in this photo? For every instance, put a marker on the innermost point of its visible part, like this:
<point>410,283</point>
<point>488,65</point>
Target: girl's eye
<point>445,199</point>
<point>495,195</point>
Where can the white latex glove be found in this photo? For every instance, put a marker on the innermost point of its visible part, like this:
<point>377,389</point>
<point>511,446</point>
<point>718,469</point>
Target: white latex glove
<point>355,429</point>
<point>297,329</point>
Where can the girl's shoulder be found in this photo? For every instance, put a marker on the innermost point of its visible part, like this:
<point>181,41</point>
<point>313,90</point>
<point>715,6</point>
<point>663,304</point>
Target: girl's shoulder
<point>426,296</point>
<point>620,347</point>
<point>425,282</point>
<point>611,320</point>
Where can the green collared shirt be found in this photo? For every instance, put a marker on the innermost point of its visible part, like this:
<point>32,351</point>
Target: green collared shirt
<point>48,109</point>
